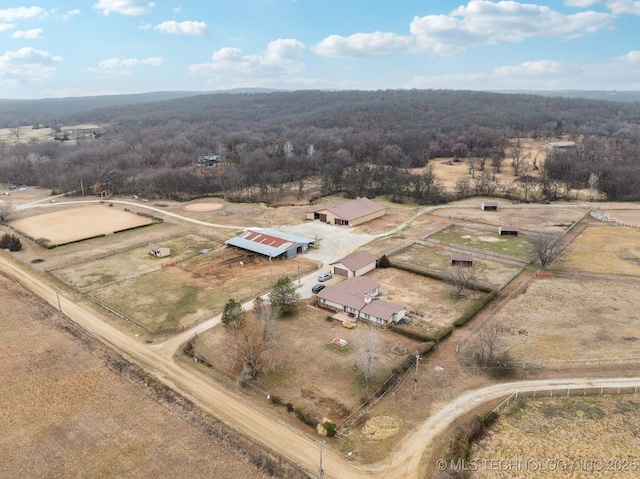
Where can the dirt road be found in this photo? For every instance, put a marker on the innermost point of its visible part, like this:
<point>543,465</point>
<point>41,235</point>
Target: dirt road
<point>404,462</point>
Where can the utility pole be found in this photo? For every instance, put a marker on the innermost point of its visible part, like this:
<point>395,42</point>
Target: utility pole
<point>298,273</point>
<point>270,270</point>
<point>320,470</point>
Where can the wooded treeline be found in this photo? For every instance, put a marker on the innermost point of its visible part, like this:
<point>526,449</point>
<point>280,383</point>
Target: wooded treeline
<point>355,143</point>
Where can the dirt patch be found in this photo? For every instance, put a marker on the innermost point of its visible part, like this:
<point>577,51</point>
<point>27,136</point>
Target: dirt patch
<point>76,224</point>
<point>203,206</point>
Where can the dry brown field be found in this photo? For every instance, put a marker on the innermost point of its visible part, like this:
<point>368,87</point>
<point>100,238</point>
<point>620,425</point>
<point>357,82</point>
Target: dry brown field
<point>601,434</point>
<point>573,318</point>
<point>77,224</point>
<point>604,250</point>
<point>64,412</point>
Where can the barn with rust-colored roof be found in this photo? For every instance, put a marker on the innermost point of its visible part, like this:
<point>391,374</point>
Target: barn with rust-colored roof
<point>271,243</point>
<point>348,213</point>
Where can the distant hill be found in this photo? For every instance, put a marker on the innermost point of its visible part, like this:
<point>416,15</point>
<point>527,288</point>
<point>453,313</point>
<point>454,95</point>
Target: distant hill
<point>50,110</point>
<point>249,105</point>
<point>611,95</point>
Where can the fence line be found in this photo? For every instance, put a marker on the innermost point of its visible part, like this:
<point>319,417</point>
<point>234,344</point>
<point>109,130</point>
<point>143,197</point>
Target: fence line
<point>565,392</point>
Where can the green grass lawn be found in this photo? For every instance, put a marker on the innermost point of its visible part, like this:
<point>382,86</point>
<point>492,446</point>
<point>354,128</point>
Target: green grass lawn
<point>515,246</point>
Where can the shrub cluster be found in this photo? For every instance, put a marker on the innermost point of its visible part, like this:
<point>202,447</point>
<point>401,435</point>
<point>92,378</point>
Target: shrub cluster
<point>10,242</point>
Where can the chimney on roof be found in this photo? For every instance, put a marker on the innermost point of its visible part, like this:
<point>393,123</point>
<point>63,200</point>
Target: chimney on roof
<point>367,298</point>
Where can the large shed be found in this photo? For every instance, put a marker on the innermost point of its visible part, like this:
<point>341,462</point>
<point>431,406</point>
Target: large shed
<point>489,206</point>
<point>355,264</point>
<point>271,243</point>
<point>348,213</point>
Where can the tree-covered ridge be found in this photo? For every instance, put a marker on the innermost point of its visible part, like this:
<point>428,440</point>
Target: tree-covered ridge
<point>358,143</point>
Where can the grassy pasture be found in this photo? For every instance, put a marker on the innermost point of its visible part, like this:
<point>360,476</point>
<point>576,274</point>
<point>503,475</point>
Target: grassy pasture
<point>582,429</point>
<point>488,241</point>
<point>419,255</point>
<point>604,250</point>
<point>169,300</point>
<point>573,319</point>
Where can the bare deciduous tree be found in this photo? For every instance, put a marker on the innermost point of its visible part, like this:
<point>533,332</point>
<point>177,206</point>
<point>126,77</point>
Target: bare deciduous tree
<point>6,210</point>
<point>464,277</point>
<point>545,247</point>
<point>368,349</point>
<point>252,338</point>
<point>489,352</point>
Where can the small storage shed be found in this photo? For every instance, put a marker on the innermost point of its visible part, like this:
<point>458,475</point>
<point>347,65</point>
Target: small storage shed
<point>508,231</point>
<point>489,206</point>
<point>159,250</point>
<point>458,259</point>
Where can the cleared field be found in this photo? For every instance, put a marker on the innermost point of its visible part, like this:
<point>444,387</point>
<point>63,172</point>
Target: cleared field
<point>600,433</point>
<point>178,297</point>
<point>488,241</point>
<point>604,250</point>
<point>491,272</point>
<point>64,412</point>
<point>76,224</point>
<point>573,319</point>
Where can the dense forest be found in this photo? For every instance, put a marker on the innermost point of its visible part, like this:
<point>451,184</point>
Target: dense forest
<point>355,143</point>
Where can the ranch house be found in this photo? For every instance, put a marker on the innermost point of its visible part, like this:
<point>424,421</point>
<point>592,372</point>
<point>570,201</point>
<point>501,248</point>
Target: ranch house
<point>489,206</point>
<point>159,250</point>
<point>356,298</point>
<point>348,213</point>
<point>271,243</point>
<point>458,259</point>
<point>508,231</point>
<point>355,264</point>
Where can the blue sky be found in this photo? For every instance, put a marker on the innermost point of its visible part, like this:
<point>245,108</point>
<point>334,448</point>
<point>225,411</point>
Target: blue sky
<point>97,47</point>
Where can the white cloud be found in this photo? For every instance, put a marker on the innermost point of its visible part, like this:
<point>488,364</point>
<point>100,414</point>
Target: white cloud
<point>177,9</point>
<point>631,57</point>
<point>281,58</point>
<point>620,73</point>
<point>581,3</point>
<point>70,14</point>
<point>182,28</point>
<point>124,7</point>
<point>21,13</point>
<point>363,45</point>
<point>28,34</point>
<point>618,7</point>
<point>480,22</point>
<point>6,26</point>
<point>27,65</point>
<point>114,64</point>
<point>144,26</point>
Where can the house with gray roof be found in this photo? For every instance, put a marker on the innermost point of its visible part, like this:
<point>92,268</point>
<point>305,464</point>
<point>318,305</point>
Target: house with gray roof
<point>348,213</point>
<point>271,243</point>
<point>357,298</point>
